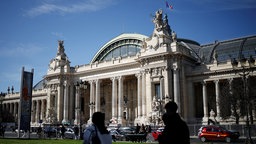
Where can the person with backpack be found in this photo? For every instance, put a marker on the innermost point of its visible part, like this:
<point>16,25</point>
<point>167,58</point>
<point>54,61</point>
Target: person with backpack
<point>97,133</point>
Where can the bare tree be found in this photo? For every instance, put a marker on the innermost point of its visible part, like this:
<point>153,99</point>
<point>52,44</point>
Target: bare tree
<point>235,96</point>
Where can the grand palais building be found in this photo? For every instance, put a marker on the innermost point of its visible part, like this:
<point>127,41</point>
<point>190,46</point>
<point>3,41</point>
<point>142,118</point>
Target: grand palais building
<point>132,76</point>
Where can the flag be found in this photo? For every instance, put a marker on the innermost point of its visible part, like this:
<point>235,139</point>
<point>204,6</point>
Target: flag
<point>168,5</point>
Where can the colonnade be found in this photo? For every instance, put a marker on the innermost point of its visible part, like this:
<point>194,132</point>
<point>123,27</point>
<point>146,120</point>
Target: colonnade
<point>12,107</point>
<point>38,110</point>
<point>215,111</point>
<point>142,97</point>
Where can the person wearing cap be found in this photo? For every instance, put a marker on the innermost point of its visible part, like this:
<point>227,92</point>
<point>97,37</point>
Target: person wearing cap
<point>176,130</point>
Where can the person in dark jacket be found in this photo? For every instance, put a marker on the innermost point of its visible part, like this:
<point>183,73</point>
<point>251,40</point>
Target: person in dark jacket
<point>176,130</point>
<point>97,133</point>
<point>76,131</point>
<point>62,130</point>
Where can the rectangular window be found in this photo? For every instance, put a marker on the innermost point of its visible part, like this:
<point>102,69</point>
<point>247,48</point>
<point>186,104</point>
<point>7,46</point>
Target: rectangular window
<point>82,104</point>
<point>157,90</point>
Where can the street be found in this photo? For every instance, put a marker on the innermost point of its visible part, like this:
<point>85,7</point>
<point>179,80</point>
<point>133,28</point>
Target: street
<point>33,135</point>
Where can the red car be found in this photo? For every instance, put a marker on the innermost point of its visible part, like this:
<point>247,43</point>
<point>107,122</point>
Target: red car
<point>217,133</point>
<point>157,132</point>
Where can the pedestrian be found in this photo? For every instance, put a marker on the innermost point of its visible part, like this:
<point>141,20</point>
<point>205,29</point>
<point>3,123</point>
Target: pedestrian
<point>48,131</point>
<point>62,130</point>
<point>76,131</point>
<point>39,132</point>
<point>148,129</point>
<point>2,130</point>
<point>137,130</point>
<point>142,129</point>
<point>175,130</point>
<point>97,133</point>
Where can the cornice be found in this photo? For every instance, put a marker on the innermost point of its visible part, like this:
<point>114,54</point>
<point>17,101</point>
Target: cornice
<point>221,72</point>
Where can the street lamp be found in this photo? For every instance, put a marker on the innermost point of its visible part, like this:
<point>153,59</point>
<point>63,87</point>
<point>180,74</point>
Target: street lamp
<point>244,72</point>
<point>79,85</point>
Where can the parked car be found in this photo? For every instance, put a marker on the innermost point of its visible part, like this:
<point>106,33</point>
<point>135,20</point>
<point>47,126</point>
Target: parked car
<point>156,133</point>
<point>217,133</point>
<point>116,135</point>
<point>21,131</point>
<point>50,131</point>
<point>69,133</point>
<point>126,130</point>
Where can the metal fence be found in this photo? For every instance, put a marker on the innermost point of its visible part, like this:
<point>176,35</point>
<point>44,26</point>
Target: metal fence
<point>242,129</point>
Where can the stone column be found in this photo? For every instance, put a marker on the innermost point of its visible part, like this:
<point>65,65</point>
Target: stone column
<point>59,106</point>
<point>43,109</point>
<point>114,98</point>
<point>143,94</point>
<point>48,105</point>
<point>77,106</point>
<point>230,81</point>
<point>205,102</point>
<point>120,100</point>
<point>217,92</point>
<point>11,108</point>
<point>148,92</point>
<point>162,96</point>
<point>167,84</point>
<point>92,102</point>
<point>97,96</point>
<point>15,109</point>
<point>139,94</point>
<point>176,90</point>
<point>37,111</point>
<point>33,111</point>
<point>65,113</point>
<point>71,101</point>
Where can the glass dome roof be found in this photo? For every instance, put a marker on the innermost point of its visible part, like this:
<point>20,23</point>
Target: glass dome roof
<point>226,50</point>
<point>124,45</point>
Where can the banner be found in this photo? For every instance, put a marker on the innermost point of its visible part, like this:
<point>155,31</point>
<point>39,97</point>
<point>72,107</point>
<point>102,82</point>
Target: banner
<point>25,100</point>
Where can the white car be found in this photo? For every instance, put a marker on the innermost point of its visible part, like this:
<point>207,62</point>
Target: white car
<point>69,133</point>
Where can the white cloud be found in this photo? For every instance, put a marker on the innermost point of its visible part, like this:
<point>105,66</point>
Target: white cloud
<point>58,35</point>
<point>21,50</point>
<point>66,7</point>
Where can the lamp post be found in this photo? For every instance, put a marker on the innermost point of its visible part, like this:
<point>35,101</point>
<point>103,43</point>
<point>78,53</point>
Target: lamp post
<point>79,85</point>
<point>244,72</point>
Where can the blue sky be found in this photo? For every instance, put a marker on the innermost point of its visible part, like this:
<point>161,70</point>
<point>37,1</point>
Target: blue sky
<point>30,29</point>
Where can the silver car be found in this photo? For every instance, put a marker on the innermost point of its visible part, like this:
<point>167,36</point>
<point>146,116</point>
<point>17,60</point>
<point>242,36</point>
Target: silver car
<point>69,133</point>
<point>116,135</point>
